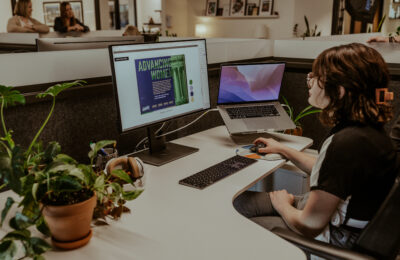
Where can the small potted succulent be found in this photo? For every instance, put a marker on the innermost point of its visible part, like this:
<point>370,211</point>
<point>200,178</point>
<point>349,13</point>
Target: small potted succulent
<point>296,119</point>
<point>57,194</point>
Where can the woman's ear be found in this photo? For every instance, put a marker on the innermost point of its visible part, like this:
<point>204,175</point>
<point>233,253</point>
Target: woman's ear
<point>342,91</point>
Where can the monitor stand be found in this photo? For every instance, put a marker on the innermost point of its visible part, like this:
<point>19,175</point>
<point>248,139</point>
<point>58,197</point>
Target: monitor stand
<point>160,152</point>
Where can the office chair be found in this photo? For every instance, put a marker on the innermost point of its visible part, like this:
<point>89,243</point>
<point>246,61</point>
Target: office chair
<point>379,240</point>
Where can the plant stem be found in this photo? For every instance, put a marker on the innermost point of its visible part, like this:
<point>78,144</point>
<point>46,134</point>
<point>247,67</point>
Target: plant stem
<point>2,117</point>
<point>41,128</point>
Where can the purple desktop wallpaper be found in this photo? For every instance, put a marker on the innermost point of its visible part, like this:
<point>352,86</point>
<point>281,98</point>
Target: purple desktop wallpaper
<point>256,82</point>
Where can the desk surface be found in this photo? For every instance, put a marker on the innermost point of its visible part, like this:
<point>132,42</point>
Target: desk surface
<point>172,221</point>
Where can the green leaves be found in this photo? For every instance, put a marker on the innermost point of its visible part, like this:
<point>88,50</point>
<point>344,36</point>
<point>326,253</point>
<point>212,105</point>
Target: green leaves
<point>10,201</point>
<point>65,184</point>
<point>57,89</point>
<point>18,235</point>
<point>42,226</point>
<point>121,174</point>
<point>101,144</point>
<point>131,195</point>
<point>52,150</point>
<point>10,97</point>
<point>20,222</point>
<point>13,169</point>
<point>306,111</point>
<point>8,249</point>
<point>39,246</point>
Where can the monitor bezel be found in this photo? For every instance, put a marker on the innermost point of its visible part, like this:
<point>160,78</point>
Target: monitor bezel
<point>245,64</point>
<point>119,120</point>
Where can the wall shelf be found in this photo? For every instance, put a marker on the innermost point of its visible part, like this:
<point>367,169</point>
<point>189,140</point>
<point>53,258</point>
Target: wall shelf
<point>242,17</point>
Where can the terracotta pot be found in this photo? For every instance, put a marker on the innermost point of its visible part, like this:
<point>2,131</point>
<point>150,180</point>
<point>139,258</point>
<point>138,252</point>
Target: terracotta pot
<point>297,131</point>
<point>71,223</point>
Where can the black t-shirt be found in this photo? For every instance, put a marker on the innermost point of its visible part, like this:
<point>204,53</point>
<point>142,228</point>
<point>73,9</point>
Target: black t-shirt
<point>357,163</point>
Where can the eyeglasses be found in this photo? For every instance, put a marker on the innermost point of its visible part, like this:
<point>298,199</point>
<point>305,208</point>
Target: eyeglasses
<point>310,76</point>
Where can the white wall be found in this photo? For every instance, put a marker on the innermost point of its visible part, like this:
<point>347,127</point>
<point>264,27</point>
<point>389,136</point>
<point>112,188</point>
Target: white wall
<point>186,14</point>
<point>145,11</point>
<point>318,13</point>
<point>5,14</point>
<point>390,25</point>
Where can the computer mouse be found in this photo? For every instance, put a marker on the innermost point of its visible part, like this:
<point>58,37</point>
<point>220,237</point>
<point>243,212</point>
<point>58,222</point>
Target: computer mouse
<point>255,147</point>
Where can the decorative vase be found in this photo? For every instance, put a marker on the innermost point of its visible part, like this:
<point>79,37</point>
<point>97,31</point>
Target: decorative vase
<point>70,225</point>
<point>298,131</point>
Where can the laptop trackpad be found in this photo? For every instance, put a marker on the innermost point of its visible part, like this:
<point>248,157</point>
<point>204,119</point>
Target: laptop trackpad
<point>260,124</point>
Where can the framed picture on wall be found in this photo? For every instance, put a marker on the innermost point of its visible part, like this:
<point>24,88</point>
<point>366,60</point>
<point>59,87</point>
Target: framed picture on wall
<point>238,7</point>
<point>51,10</point>
<point>250,9</point>
<point>211,8</point>
<point>77,7</point>
<point>266,7</point>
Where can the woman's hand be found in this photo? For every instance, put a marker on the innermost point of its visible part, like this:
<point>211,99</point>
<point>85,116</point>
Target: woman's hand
<point>272,146</point>
<point>79,28</point>
<point>281,199</point>
<point>378,39</point>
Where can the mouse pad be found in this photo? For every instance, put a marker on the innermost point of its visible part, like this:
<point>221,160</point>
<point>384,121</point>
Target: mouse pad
<point>245,152</point>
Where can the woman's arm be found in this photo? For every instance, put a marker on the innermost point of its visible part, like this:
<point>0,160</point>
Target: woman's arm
<point>39,27</point>
<point>315,216</point>
<point>85,28</point>
<point>301,160</point>
<point>14,26</point>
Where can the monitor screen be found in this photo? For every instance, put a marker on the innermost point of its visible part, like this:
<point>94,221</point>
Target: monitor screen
<point>159,81</point>
<point>250,82</point>
<point>78,43</point>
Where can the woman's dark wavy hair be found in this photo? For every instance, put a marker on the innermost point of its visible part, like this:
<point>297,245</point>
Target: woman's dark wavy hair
<point>360,70</point>
<point>63,12</point>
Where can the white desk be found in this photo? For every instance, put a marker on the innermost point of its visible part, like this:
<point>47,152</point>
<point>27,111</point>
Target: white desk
<point>172,221</point>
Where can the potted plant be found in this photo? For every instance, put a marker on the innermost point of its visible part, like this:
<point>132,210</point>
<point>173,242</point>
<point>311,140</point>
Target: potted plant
<point>296,119</point>
<point>55,190</point>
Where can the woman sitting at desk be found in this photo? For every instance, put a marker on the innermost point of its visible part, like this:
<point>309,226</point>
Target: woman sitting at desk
<point>67,21</point>
<point>356,166</point>
<point>22,20</point>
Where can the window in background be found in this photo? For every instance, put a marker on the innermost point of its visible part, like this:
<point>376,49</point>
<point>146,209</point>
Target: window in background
<point>121,13</point>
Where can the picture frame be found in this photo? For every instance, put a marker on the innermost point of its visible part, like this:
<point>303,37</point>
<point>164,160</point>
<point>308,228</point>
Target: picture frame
<point>77,7</point>
<point>212,7</point>
<point>51,10</point>
<point>266,7</point>
<point>237,7</point>
<point>250,9</point>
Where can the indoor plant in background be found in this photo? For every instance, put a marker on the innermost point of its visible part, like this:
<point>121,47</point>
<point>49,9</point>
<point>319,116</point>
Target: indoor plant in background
<point>46,181</point>
<point>296,119</point>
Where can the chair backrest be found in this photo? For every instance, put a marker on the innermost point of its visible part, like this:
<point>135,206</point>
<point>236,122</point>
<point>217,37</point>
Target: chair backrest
<point>381,237</point>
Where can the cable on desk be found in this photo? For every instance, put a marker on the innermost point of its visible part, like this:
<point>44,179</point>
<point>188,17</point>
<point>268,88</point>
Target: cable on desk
<point>183,127</point>
<point>189,124</point>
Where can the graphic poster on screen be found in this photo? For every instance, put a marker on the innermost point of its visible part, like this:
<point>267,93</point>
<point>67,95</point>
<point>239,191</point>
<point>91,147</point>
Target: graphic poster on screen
<point>162,82</point>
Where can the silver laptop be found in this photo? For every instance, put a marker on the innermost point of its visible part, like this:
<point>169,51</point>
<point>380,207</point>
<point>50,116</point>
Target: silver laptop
<point>248,98</point>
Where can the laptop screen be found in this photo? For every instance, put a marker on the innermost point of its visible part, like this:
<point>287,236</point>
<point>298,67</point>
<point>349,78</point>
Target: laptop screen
<point>250,83</point>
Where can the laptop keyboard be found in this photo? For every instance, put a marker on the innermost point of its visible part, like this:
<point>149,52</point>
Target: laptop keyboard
<point>218,171</point>
<point>253,111</point>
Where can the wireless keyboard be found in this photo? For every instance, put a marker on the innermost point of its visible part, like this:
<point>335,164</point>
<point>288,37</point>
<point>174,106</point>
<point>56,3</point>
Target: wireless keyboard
<point>217,172</point>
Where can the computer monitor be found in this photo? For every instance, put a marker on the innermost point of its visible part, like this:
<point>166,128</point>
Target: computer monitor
<point>78,43</point>
<point>155,82</point>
